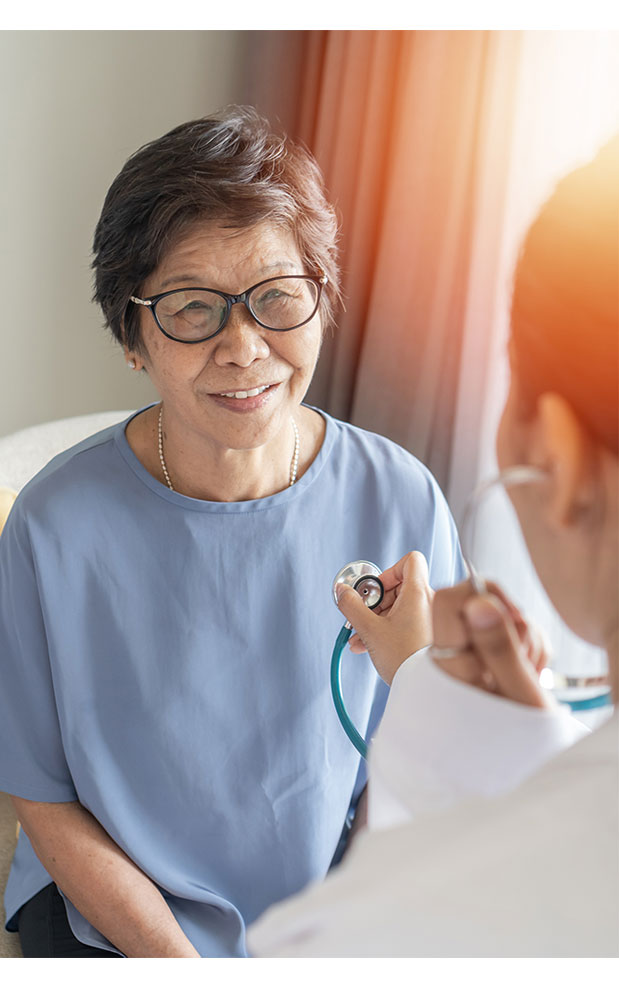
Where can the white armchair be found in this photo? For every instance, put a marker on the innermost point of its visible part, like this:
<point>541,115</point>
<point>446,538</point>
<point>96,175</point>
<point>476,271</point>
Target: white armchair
<point>22,455</point>
<point>25,452</point>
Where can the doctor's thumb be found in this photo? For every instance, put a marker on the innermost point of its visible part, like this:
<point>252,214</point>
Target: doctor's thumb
<point>354,609</point>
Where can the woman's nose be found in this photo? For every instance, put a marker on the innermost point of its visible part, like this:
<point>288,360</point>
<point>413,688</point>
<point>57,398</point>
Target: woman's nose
<point>242,340</point>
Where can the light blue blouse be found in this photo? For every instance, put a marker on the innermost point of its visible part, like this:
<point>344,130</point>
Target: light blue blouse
<point>165,661</point>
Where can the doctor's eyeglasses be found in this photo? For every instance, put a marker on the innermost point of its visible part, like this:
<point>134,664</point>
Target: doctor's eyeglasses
<point>192,315</point>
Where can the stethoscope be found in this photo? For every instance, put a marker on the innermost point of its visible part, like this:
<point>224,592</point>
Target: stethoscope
<point>363,576</point>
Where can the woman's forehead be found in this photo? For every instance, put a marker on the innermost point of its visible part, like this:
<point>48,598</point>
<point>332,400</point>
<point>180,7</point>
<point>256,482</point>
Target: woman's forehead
<point>220,253</point>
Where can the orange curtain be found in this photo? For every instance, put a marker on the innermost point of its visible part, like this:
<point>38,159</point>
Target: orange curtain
<point>438,149</point>
<point>398,121</point>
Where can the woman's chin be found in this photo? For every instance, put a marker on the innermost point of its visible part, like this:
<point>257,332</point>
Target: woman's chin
<point>249,423</point>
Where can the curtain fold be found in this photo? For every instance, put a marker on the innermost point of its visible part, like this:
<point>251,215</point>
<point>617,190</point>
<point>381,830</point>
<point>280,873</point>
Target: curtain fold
<point>413,339</point>
<point>351,139</point>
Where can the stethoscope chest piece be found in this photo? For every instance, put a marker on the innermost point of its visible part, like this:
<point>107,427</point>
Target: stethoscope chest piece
<point>363,577</point>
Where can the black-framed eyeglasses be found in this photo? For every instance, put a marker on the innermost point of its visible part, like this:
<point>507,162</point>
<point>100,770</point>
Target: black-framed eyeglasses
<point>192,315</point>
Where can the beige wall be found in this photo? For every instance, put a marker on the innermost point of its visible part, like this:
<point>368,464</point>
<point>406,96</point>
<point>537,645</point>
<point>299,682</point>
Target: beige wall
<point>75,105</point>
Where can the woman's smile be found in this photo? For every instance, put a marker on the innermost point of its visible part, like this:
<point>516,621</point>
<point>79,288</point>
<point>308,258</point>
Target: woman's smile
<point>245,400</point>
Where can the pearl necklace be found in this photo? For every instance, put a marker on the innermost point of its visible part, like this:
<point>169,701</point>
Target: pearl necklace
<point>294,465</point>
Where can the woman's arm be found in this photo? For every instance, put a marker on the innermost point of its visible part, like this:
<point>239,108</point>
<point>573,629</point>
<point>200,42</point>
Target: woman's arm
<point>107,888</point>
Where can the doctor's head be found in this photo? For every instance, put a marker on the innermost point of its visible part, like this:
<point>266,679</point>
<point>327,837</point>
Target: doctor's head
<point>562,412</point>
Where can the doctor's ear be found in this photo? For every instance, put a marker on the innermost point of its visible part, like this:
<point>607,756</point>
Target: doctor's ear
<point>565,449</point>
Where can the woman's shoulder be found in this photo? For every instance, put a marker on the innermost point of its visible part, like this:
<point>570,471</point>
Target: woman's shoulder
<point>72,476</point>
<point>378,453</point>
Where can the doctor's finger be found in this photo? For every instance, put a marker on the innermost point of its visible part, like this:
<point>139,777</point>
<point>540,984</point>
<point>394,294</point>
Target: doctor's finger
<point>495,639</point>
<point>465,666</point>
<point>538,647</point>
<point>411,573</point>
<point>449,626</point>
<point>534,640</point>
<point>389,599</point>
<point>527,632</point>
<point>412,566</point>
<point>514,610</point>
<point>356,644</point>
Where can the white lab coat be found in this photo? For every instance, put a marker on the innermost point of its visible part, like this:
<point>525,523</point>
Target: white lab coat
<point>494,831</point>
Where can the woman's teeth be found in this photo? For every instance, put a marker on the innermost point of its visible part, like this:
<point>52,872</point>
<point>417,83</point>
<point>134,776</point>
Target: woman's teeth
<point>243,394</point>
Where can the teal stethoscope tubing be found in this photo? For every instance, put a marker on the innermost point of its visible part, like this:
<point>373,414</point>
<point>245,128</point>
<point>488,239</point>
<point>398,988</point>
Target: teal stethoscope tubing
<point>585,704</point>
<point>336,690</point>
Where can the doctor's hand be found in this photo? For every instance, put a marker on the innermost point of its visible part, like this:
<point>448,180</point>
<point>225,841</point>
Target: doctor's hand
<point>401,624</point>
<point>483,640</point>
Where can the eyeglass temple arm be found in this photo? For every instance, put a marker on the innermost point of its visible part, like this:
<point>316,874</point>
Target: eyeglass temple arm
<point>513,476</point>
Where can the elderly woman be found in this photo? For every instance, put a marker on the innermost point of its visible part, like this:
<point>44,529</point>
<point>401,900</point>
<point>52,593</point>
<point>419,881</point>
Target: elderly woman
<point>534,869</point>
<point>166,620</point>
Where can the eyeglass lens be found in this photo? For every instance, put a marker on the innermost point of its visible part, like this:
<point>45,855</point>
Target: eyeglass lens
<point>193,314</point>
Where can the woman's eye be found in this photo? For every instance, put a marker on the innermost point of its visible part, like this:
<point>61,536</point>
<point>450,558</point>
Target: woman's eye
<point>196,304</point>
<point>196,309</point>
<point>274,295</point>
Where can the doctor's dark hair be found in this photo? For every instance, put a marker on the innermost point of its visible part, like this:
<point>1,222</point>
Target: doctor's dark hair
<point>565,306</point>
<point>231,169</point>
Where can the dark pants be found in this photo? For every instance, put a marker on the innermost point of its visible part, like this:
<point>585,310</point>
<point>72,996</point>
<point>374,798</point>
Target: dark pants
<point>44,929</point>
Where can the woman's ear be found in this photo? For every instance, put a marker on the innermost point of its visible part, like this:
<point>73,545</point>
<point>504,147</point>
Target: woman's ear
<point>564,448</point>
<point>130,358</point>
<point>133,359</point>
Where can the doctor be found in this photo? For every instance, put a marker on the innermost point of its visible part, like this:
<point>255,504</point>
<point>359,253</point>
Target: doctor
<point>484,852</point>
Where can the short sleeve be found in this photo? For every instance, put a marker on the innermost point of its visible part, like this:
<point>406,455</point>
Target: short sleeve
<point>32,760</point>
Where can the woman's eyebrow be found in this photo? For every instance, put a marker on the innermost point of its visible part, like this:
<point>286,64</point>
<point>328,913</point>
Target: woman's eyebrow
<point>170,282</point>
<point>285,265</point>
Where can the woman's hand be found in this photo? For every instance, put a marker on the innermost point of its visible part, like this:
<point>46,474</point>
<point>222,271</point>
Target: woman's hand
<point>401,624</point>
<point>495,649</point>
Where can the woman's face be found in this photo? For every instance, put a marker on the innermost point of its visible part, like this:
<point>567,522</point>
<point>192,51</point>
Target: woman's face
<point>191,378</point>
